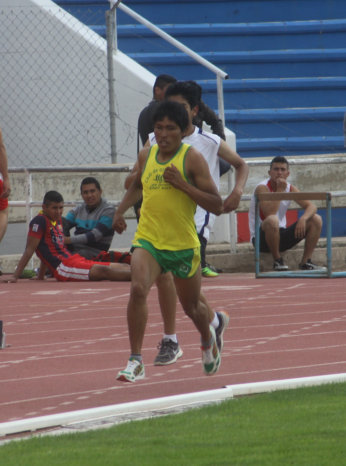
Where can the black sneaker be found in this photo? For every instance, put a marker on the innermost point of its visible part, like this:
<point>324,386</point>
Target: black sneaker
<point>169,352</point>
<point>311,266</point>
<point>279,265</point>
<point>224,321</point>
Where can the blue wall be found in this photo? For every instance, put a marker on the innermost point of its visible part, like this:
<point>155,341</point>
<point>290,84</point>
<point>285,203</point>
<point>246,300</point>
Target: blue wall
<point>286,60</point>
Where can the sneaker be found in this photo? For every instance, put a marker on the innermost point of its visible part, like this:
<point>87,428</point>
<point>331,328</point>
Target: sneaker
<point>169,352</point>
<point>134,371</point>
<point>113,256</point>
<point>27,273</point>
<point>213,268</point>
<point>279,265</point>
<point>311,266</point>
<point>211,357</point>
<point>224,320</point>
<point>207,272</point>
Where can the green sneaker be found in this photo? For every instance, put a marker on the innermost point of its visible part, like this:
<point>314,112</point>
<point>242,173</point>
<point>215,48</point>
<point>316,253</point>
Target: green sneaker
<point>133,371</point>
<point>207,272</point>
<point>27,273</point>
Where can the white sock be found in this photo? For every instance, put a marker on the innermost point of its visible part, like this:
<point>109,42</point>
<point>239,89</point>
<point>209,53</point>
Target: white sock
<point>171,337</point>
<point>215,322</point>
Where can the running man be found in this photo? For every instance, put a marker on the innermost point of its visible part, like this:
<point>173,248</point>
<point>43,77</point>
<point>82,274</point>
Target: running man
<point>173,178</point>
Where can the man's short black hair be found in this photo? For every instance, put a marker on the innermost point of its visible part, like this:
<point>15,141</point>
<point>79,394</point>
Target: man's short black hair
<point>163,79</point>
<point>173,111</point>
<point>279,159</point>
<point>90,180</point>
<point>189,90</point>
<point>52,196</point>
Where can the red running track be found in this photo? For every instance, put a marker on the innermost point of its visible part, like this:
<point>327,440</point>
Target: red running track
<point>67,341</point>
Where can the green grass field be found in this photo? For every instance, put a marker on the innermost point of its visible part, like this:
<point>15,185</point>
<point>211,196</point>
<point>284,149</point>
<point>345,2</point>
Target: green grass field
<point>293,427</point>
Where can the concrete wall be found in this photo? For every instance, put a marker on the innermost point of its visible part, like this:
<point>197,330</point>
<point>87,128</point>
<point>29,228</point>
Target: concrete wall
<point>306,173</point>
<point>321,173</point>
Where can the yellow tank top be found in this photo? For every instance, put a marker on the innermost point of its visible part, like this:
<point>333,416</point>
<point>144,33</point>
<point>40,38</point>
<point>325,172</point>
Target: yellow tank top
<point>167,214</point>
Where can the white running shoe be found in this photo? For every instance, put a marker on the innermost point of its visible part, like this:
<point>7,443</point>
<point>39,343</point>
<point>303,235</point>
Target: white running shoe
<point>133,371</point>
<point>211,358</point>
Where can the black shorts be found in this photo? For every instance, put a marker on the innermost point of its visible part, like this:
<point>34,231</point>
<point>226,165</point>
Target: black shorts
<point>287,239</point>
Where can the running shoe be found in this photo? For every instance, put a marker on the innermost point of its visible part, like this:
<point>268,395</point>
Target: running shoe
<point>27,273</point>
<point>211,357</point>
<point>169,352</point>
<point>207,272</point>
<point>279,265</point>
<point>224,320</point>
<point>311,266</point>
<point>133,371</point>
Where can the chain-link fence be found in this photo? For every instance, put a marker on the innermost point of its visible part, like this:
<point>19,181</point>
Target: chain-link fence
<point>54,93</point>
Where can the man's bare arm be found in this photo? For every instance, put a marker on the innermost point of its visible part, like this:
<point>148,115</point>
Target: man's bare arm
<point>241,175</point>
<point>132,195</point>
<point>4,169</point>
<point>31,246</point>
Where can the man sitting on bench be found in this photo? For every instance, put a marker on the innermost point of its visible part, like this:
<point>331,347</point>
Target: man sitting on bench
<point>275,236</point>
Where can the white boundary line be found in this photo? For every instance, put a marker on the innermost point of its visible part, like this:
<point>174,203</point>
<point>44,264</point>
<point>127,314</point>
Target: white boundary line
<point>169,402</point>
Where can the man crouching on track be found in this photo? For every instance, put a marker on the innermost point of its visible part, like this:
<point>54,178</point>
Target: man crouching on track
<point>174,178</point>
<point>45,237</point>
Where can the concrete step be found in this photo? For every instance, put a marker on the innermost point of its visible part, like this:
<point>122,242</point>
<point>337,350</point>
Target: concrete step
<point>244,259</point>
<point>236,11</point>
<point>231,36</point>
<point>286,122</point>
<point>277,92</point>
<point>269,147</point>
<point>259,64</point>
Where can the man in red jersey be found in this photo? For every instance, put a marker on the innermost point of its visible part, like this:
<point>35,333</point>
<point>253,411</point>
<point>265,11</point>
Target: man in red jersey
<point>45,237</point>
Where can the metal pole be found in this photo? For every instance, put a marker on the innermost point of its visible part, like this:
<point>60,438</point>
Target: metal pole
<point>233,233</point>
<point>257,239</point>
<point>111,46</point>
<point>329,234</point>
<point>220,101</point>
<point>28,208</point>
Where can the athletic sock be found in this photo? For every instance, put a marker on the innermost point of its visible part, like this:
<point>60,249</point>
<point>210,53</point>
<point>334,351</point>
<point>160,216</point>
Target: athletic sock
<point>207,344</point>
<point>215,322</point>
<point>137,357</point>
<point>172,337</point>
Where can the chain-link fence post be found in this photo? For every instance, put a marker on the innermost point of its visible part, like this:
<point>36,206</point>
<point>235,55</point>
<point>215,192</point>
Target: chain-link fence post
<point>111,37</point>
